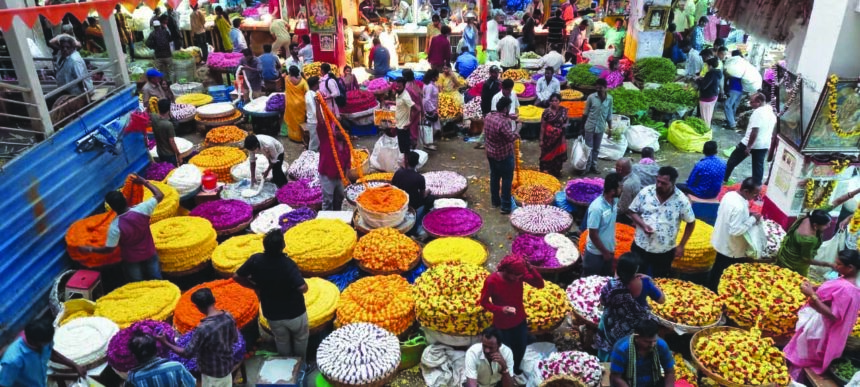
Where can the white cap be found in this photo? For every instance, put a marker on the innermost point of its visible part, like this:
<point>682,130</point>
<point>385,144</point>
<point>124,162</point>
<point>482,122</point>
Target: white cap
<point>156,23</point>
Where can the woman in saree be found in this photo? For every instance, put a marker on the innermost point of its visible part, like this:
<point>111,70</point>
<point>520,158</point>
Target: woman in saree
<point>553,147</point>
<point>449,81</point>
<point>349,81</point>
<point>223,26</point>
<point>826,321</point>
<point>622,309</point>
<point>802,240</point>
<point>295,88</point>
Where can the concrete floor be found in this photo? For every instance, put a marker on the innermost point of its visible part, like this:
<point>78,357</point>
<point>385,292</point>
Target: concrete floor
<point>458,155</point>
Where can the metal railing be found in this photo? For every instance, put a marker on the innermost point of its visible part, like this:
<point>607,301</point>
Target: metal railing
<point>18,118</point>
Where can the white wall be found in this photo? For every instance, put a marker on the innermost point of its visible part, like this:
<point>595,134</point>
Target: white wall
<point>845,59</point>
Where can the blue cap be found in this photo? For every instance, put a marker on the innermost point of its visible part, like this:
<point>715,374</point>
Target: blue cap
<point>153,73</point>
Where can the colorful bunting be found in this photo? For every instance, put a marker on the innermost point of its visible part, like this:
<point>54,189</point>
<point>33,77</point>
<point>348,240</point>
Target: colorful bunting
<point>55,13</point>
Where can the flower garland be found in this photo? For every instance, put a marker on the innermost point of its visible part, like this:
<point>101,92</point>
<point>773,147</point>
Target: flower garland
<point>224,214</point>
<point>446,299</point>
<point>545,307</point>
<point>232,254</point>
<point>119,356</point>
<point>386,250</point>
<point>91,231</point>
<point>454,249</point>
<point>239,301</point>
<point>623,239</point>
<point>452,221</point>
<point>328,118</point>
<point>154,300</point>
<point>292,218</point>
<point>810,201</point>
<point>832,115</point>
<point>84,341</point>
<point>839,166</point>
<point>320,245</point>
<point>854,226</point>
<point>384,300</point>
<point>183,242</point>
<point>518,163</point>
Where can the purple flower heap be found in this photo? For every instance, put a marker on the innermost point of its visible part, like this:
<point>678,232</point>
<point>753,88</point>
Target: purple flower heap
<point>536,250</point>
<point>120,357</point>
<point>275,103</point>
<point>294,217</point>
<point>584,190</point>
<point>452,221</point>
<point>191,363</point>
<point>224,214</point>
<point>158,171</point>
<point>529,92</point>
<point>300,193</point>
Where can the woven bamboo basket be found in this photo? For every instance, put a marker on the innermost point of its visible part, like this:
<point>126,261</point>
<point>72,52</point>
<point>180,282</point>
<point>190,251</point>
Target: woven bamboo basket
<point>703,334</point>
<point>56,300</point>
<point>582,320</point>
<point>563,381</point>
<point>550,330</point>
<point>688,329</point>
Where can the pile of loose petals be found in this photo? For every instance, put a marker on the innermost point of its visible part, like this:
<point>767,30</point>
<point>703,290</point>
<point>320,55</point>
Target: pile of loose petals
<point>300,193</point>
<point>623,239</point>
<point>452,221</point>
<point>584,190</point>
<point>292,218</point>
<point>384,300</point>
<point>224,214</point>
<point>386,199</point>
<point>386,250</point>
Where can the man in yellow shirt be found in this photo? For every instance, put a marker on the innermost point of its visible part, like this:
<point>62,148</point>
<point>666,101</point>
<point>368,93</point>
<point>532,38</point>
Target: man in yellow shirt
<point>198,29</point>
<point>281,32</point>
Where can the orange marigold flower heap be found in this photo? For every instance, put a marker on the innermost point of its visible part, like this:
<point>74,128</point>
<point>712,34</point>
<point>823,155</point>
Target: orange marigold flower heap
<point>575,109</point>
<point>386,250</point>
<point>385,199</point>
<point>239,301</point>
<point>91,231</point>
<point>220,160</point>
<point>387,301</point>
<point>224,135</point>
<point>623,239</point>
<point>133,192</point>
<point>359,156</point>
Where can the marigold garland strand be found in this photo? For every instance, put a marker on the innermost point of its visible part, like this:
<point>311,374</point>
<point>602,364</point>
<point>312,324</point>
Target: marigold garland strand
<point>327,117</point>
<point>832,116</point>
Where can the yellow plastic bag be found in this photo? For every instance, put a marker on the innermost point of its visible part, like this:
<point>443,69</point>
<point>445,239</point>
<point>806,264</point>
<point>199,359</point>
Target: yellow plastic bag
<point>686,139</point>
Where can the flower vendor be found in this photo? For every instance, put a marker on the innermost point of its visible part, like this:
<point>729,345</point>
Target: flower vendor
<point>25,361</point>
<point>704,180</point>
<point>630,187</point>
<point>154,370</point>
<point>466,62</point>
<point>803,238</point>
<point>507,90</point>
<point>407,112</point>
<point>310,111</point>
<point>413,183</point>
<point>416,92</point>
<point>155,87</point>
<point>430,104</point>
<point>598,119</point>
<point>553,146</point>
<point>624,299</point>
<point>502,295</point>
<point>757,139</point>
<point>500,143</point>
<point>295,93</point>
<point>131,233</point>
<point>600,249</point>
<point>733,222</point>
<point>553,58</point>
<point>281,288</point>
<point>335,159</point>
<point>491,87</point>
<point>489,363</point>
<point>826,321</point>
<point>212,343</point>
<point>657,212</point>
<point>251,68</point>
<point>329,88</point>
<point>640,359</point>
<point>165,134</point>
<point>273,149</point>
<point>546,87</point>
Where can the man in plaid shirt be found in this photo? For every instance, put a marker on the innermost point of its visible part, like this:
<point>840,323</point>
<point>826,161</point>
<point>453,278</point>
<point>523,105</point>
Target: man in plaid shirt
<point>212,342</point>
<point>499,142</point>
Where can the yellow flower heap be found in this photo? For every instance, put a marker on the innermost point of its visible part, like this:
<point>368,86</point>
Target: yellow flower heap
<point>531,177</point>
<point>230,255</point>
<point>384,300</point>
<point>449,107</point>
<point>320,245</point>
<point>454,250</point>
<point>699,253</point>
<point>683,371</point>
<point>153,300</point>
<point>687,303</point>
<point>224,135</point>
<point>386,250</point>
<point>752,291</point>
<point>183,242</point>
<point>320,301</point>
<point>195,99</point>
<point>446,299</point>
<point>383,176</point>
<point>516,74</point>
<point>545,307</point>
<point>530,113</point>
<point>742,357</point>
<point>219,160</point>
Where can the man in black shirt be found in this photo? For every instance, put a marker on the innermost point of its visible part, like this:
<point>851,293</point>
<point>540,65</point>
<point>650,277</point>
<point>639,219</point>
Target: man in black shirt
<point>280,287</point>
<point>492,86</point>
<point>409,180</point>
<point>555,29</point>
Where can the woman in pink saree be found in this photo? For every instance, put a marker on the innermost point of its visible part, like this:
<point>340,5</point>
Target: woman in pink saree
<point>825,322</point>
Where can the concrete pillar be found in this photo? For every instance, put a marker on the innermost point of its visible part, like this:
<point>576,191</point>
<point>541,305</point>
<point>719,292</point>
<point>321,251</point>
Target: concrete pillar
<point>113,45</point>
<point>25,70</point>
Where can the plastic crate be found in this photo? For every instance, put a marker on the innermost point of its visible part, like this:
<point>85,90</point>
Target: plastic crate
<point>363,130</point>
<point>220,93</point>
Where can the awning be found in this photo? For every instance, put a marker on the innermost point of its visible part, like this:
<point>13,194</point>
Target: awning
<point>55,13</point>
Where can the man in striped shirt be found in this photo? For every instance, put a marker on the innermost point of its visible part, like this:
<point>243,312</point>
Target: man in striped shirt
<point>154,371</point>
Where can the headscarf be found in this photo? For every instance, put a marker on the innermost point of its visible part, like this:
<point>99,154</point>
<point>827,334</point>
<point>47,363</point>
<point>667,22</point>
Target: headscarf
<point>513,264</point>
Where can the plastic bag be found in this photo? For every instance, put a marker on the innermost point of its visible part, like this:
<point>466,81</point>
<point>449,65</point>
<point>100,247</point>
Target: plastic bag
<point>535,352</point>
<point>756,241</point>
<point>640,136</point>
<point>426,132</point>
<point>612,149</point>
<point>422,159</point>
<point>685,138</point>
<point>830,248</point>
<point>579,152</point>
<point>385,154</point>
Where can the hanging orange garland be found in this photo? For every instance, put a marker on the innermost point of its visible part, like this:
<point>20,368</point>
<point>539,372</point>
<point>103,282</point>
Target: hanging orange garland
<point>327,117</point>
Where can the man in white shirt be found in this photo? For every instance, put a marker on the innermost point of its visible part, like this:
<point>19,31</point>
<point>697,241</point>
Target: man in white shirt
<point>293,58</point>
<point>405,112</point>
<point>509,51</point>
<point>756,141</point>
<point>311,113</point>
<point>489,363</point>
<point>273,150</point>
<point>733,221</point>
<point>329,89</point>
<point>493,36</point>
<point>546,87</point>
<point>508,91</point>
<point>553,58</point>
<point>695,63</point>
